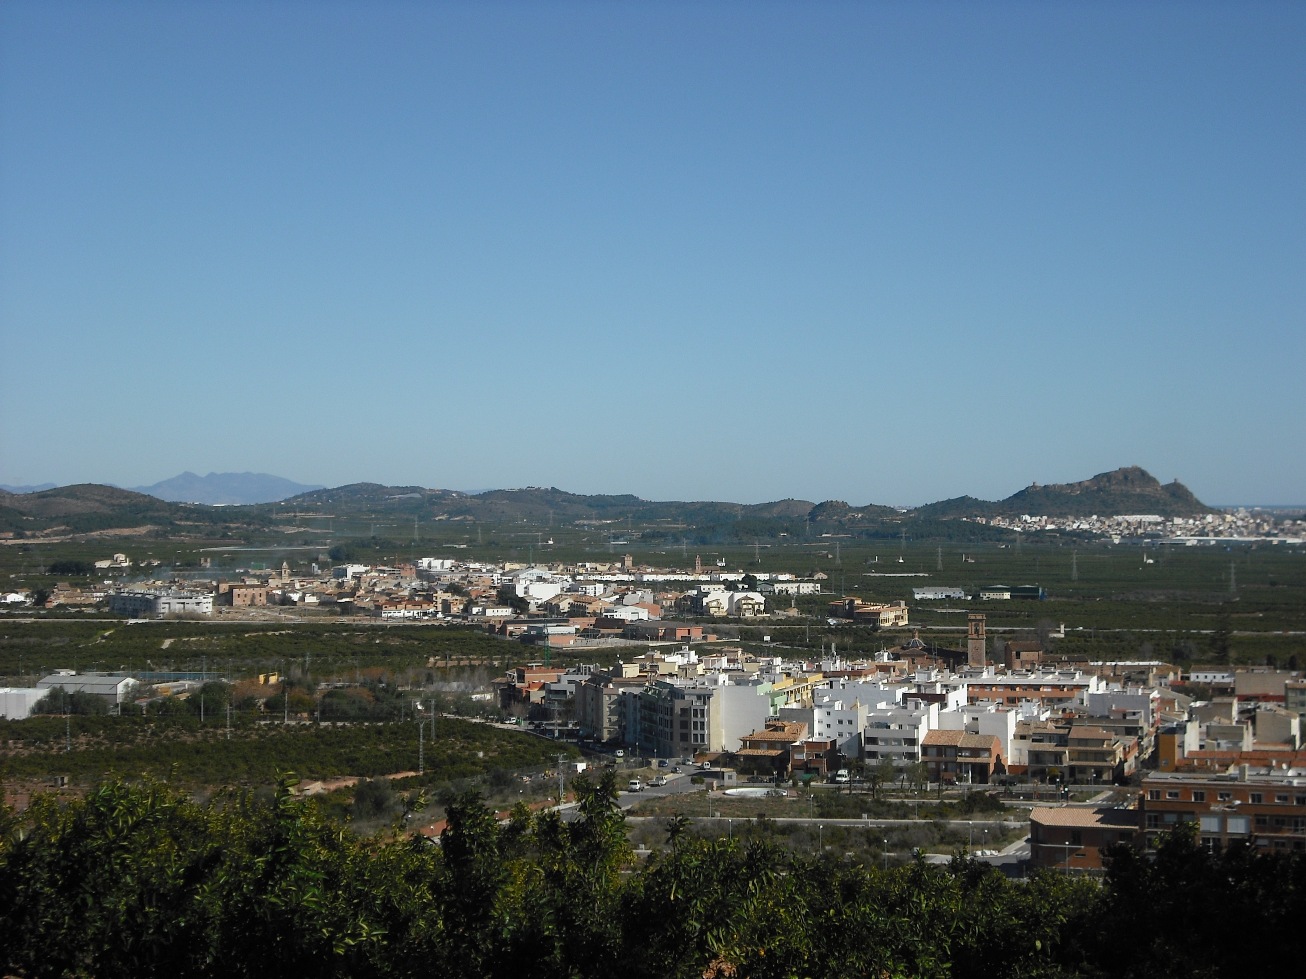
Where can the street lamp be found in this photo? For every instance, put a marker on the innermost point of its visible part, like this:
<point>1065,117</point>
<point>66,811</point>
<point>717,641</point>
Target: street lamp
<point>1070,848</point>
<point>886,853</point>
<point>421,739</point>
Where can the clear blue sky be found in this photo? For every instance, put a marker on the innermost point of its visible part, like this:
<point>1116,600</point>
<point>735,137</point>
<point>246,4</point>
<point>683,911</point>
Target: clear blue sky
<point>880,252</point>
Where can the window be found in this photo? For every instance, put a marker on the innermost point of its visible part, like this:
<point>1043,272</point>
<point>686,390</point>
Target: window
<point>1199,796</point>
<point>1282,799</point>
<point>1172,793</point>
<point>1224,796</point>
<point>1257,798</point>
<point>1154,795</point>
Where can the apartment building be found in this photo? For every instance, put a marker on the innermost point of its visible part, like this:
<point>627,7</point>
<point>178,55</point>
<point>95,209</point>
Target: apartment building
<point>839,721</point>
<point>671,717</point>
<point>1075,838</point>
<point>1264,806</point>
<point>955,756</point>
<point>1062,688</point>
<point>895,732</point>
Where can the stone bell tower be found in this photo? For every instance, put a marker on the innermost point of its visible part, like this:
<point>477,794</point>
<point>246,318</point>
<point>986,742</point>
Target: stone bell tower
<point>975,640</point>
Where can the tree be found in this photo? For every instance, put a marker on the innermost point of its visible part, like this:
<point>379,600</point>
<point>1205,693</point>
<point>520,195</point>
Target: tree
<point>79,703</point>
<point>883,773</point>
<point>373,799</point>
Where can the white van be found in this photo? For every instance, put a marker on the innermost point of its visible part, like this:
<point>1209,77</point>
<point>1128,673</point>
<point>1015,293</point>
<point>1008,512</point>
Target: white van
<point>634,785</point>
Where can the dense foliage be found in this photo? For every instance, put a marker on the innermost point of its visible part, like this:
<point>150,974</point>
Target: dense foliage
<point>139,881</point>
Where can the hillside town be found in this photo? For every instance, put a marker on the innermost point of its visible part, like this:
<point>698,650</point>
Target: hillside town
<point>1215,746</point>
<point>1239,524</point>
<point>558,604</point>
<point>1231,761</point>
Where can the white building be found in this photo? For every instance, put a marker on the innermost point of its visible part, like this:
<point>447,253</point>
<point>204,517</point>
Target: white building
<point>894,731</point>
<point>840,721</point>
<point>626,613</point>
<point>139,604</point>
<point>16,703</point>
<point>986,719</point>
<point>790,587</point>
<point>935,594</point>
<point>112,687</point>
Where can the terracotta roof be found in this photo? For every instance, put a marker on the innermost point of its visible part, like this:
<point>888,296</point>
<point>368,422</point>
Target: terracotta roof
<point>943,737</point>
<point>1081,816</point>
<point>784,736</point>
<point>960,739</point>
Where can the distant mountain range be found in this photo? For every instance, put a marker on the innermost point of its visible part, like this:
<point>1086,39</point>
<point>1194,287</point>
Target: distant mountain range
<point>87,507</point>
<point>226,489</point>
<point>1122,491</point>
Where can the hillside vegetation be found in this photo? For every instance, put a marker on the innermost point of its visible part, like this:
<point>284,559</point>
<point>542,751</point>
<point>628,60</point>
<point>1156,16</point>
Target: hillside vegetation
<point>138,881</point>
<point>86,508</point>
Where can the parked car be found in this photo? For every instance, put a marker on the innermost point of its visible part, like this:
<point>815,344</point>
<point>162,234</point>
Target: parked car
<point>634,785</point>
<point>657,781</point>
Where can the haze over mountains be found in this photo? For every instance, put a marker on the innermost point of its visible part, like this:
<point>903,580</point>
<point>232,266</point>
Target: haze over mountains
<point>215,489</point>
<point>226,489</point>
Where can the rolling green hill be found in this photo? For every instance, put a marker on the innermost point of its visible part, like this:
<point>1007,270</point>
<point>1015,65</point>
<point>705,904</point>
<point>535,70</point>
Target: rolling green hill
<point>89,507</point>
